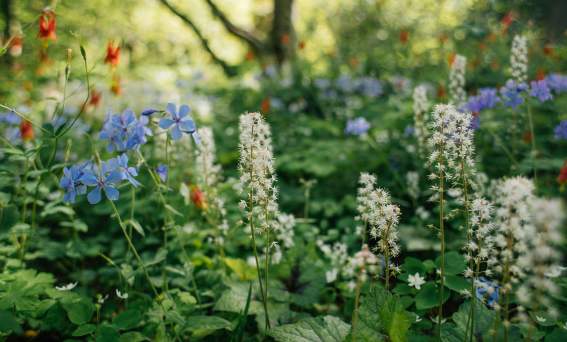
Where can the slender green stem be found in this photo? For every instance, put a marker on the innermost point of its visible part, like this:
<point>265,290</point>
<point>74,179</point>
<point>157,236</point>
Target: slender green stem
<point>441,234</point>
<point>533,140</point>
<point>133,248</point>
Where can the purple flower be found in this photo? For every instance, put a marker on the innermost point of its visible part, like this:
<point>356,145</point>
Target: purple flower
<point>124,131</point>
<point>561,131</point>
<point>512,93</point>
<point>104,179</point>
<point>71,182</point>
<point>369,87</point>
<point>10,118</point>
<point>475,122</point>
<point>487,289</point>
<point>540,90</point>
<point>181,122</point>
<point>162,171</point>
<point>557,83</point>
<point>357,126</point>
<point>128,173</point>
<point>486,98</point>
<point>409,131</point>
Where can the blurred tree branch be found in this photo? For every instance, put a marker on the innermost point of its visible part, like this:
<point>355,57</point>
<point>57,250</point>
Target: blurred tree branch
<point>228,69</point>
<point>255,43</point>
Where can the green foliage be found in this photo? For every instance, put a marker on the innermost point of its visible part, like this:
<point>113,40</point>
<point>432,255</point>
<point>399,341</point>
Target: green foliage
<point>325,329</point>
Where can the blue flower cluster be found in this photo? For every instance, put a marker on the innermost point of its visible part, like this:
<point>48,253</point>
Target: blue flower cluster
<point>125,131</point>
<point>557,83</point>
<point>561,130</point>
<point>540,90</point>
<point>104,178</point>
<point>512,93</point>
<point>357,126</point>
<point>488,290</point>
<point>486,98</point>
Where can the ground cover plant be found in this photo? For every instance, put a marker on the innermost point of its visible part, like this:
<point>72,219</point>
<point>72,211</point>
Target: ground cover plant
<point>406,183</point>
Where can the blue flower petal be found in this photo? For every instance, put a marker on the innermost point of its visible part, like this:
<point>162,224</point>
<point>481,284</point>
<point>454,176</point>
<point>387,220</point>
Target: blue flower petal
<point>165,123</point>
<point>171,109</point>
<point>176,133</point>
<point>187,125</point>
<point>111,193</point>
<point>183,111</point>
<point>94,196</point>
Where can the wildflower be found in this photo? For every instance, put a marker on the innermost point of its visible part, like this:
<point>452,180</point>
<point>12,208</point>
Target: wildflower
<point>265,105</point>
<point>542,254</point>
<point>67,287</point>
<point>47,25</point>
<point>404,36</point>
<point>561,130</point>
<point>149,112</point>
<point>457,92</point>
<point>420,109</point>
<point>486,289</point>
<point>284,229</point>
<point>112,54</point>
<point>369,86</point>
<point>26,130</point>
<point>198,198</point>
<point>557,83</point>
<point>416,281</point>
<point>512,93</point>
<point>95,98</point>
<point>103,179</point>
<point>16,45</point>
<point>412,181</point>
<point>124,131</point>
<point>180,121</point>
<point>116,87</point>
<point>121,295</point>
<point>71,182</point>
<point>331,275</point>
<point>162,172</point>
<point>480,240</point>
<point>128,173</point>
<point>519,59</point>
<point>540,90</point>
<point>487,98</point>
<point>358,126</point>
<point>513,229</point>
<point>562,178</point>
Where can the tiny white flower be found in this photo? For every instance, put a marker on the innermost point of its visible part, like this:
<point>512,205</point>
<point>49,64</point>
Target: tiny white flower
<point>416,281</point>
<point>67,287</point>
<point>331,275</point>
<point>417,319</point>
<point>541,319</point>
<point>121,295</point>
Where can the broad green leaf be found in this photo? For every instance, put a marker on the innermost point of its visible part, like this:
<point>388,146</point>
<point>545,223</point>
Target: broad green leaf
<point>324,329</point>
<point>206,324</point>
<point>127,319</point>
<point>8,323</point>
<point>457,283</point>
<point>84,329</point>
<point>107,333</point>
<point>454,263</point>
<point>241,268</point>
<point>79,309</point>
<point>428,297</point>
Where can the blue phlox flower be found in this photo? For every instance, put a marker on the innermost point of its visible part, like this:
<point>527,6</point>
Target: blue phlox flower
<point>179,122</point>
<point>124,131</point>
<point>162,172</point>
<point>357,126</point>
<point>487,290</point>
<point>557,83</point>
<point>561,130</point>
<point>128,173</point>
<point>71,182</point>
<point>486,98</point>
<point>512,93</point>
<point>540,90</point>
<point>104,179</point>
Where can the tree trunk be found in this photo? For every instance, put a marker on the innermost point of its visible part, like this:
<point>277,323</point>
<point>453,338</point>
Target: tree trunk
<point>7,13</point>
<point>282,35</point>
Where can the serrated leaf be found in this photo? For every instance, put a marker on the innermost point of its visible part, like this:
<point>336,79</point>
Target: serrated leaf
<point>241,268</point>
<point>324,329</point>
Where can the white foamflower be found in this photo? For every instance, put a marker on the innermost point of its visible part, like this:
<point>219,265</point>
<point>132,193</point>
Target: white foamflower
<point>519,59</point>
<point>67,287</point>
<point>416,281</point>
<point>457,94</point>
<point>420,110</point>
<point>121,295</point>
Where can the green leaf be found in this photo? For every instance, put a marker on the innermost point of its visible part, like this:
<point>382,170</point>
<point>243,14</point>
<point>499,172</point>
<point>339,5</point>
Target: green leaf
<point>133,336</point>
<point>204,325</point>
<point>85,329</point>
<point>428,297</point>
<point>241,268</point>
<point>127,319</point>
<point>381,316</point>
<point>107,333</point>
<point>413,266</point>
<point>324,329</point>
<point>79,309</point>
<point>454,263</point>
<point>457,283</point>
<point>136,225</point>
<point>8,323</point>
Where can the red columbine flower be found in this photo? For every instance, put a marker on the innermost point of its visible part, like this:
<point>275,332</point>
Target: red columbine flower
<point>95,98</point>
<point>404,36</point>
<point>26,130</point>
<point>16,46</point>
<point>115,88</point>
<point>47,26</point>
<point>198,198</point>
<point>112,54</point>
<point>265,105</point>
<point>562,178</point>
